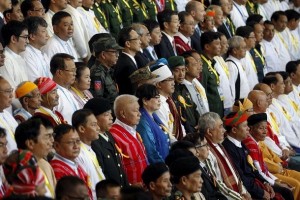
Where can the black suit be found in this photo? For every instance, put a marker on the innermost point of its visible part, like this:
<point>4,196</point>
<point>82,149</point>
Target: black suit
<point>109,159</point>
<point>209,190</point>
<point>1,25</point>
<point>164,49</point>
<point>195,41</point>
<point>148,55</point>
<point>123,69</point>
<point>141,59</point>
<point>225,31</point>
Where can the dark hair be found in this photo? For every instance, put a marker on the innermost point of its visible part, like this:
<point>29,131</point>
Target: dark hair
<point>12,28</point>
<point>208,37</point>
<point>270,79</point>
<point>216,2</point>
<point>33,24</point>
<point>45,121</point>
<point>66,185</point>
<point>61,130</point>
<point>292,14</point>
<point>165,16</point>
<point>194,138</point>
<point>151,24</point>
<point>146,91</point>
<point>244,31</point>
<point>292,66</point>
<point>134,193</point>
<point>28,130</point>
<point>254,18</point>
<point>182,144</point>
<point>13,4</point>
<point>186,56</point>
<point>2,132</point>
<point>276,15</point>
<point>268,22</point>
<point>57,17</point>
<point>26,197</point>
<point>80,66</point>
<point>124,36</point>
<point>284,75</point>
<point>182,15</point>
<point>102,187</point>
<point>26,6</point>
<point>46,4</point>
<point>79,117</point>
<point>58,61</point>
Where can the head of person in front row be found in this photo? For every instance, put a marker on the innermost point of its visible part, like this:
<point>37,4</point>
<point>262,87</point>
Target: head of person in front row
<point>23,174</point>
<point>108,189</point>
<point>156,178</point>
<point>71,188</point>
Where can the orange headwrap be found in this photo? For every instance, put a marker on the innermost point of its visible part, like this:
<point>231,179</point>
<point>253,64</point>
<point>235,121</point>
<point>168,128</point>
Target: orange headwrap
<point>246,105</point>
<point>25,89</point>
<point>235,120</point>
<point>210,13</point>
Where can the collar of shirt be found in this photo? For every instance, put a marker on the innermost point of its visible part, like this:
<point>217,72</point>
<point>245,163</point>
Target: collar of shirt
<point>50,13</point>
<point>162,98</point>
<point>131,57</point>
<point>104,136</point>
<point>186,82</point>
<point>171,39</point>
<point>185,39</point>
<point>150,48</point>
<point>130,129</point>
<point>234,141</point>
<point>60,40</point>
<point>202,164</point>
<point>71,163</point>
<point>1,15</point>
<point>32,48</point>
<point>237,61</point>
<point>89,148</point>
<point>11,52</point>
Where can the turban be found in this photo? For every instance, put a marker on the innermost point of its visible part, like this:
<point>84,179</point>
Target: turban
<point>25,88</point>
<point>246,105</point>
<point>153,172</point>
<point>236,119</point>
<point>22,172</point>
<point>45,85</point>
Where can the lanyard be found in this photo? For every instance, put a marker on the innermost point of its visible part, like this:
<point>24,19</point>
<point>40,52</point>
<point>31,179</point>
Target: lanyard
<point>116,9</point>
<point>142,9</point>
<point>103,15</point>
<point>260,56</point>
<point>81,95</point>
<point>172,5</point>
<point>284,111</point>
<point>252,62</point>
<point>211,69</point>
<point>282,40</point>
<point>294,41</point>
<point>6,125</point>
<point>274,123</point>
<point>47,183</point>
<point>223,65</point>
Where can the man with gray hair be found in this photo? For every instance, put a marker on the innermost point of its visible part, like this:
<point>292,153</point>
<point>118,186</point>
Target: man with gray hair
<point>211,125</point>
<point>128,141</point>
<point>238,78</point>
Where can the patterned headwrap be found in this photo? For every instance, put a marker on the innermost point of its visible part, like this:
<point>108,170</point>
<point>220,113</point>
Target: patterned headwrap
<point>245,106</point>
<point>235,120</point>
<point>22,172</point>
<point>45,84</point>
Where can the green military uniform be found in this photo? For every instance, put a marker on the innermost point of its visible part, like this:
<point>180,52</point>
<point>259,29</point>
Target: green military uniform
<point>252,8</point>
<point>102,83</point>
<point>139,11</point>
<point>210,81</point>
<point>150,6</point>
<point>187,107</point>
<point>113,17</point>
<point>100,15</point>
<point>177,195</point>
<point>126,12</point>
<point>171,5</point>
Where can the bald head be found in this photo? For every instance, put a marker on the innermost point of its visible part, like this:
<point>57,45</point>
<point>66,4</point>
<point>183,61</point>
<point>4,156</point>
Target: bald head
<point>267,90</point>
<point>259,100</point>
<point>126,109</point>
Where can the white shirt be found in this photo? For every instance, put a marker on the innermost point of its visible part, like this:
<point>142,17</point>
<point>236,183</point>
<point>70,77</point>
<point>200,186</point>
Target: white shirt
<point>239,15</point>
<point>262,12</point>
<point>48,17</point>
<point>271,6</point>
<point>295,94</point>
<point>37,63</point>
<point>91,23</point>
<point>80,34</point>
<point>272,56</point>
<point>14,70</point>
<point>130,129</point>
<point>181,4</point>
<point>70,163</point>
<point>56,45</point>
<point>85,160</point>
<point>294,39</point>
<point>233,71</point>
<point>8,122</point>
<point>250,70</point>
<point>282,44</point>
<point>67,104</point>
<point>152,52</point>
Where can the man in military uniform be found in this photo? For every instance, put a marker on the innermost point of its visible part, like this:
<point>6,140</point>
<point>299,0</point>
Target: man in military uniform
<point>138,10</point>
<point>150,6</point>
<point>170,5</point>
<point>100,14</point>
<point>102,84</point>
<point>125,11</point>
<point>181,95</point>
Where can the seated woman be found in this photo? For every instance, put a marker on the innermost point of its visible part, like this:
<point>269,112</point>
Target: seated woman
<point>150,127</point>
<point>82,83</point>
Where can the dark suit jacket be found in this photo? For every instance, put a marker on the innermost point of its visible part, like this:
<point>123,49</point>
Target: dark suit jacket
<point>147,54</point>
<point>225,31</point>
<point>1,25</point>
<point>248,176</point>
<point>109,159</point>
<point>209,190</point>
<point>123,69</point>
<point>195,42</point>
<point>141,59</point>
<point>164,49</point>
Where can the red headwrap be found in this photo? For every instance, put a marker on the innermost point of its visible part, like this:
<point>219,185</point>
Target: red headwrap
<point>235,120</point>
<point>22,172</point>
<point>45,85</point>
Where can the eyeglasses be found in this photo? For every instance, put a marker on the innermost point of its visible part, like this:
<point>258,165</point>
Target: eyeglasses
<point>24,36</point>
<point>7,91</point>
<point>201,145</point>
<point>115,52</point>
<point>73,142</point>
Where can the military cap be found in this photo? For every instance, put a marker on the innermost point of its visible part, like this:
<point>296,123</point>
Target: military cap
<point>256,118</point>
<point>96,37</point>
<point>153,172</point>
<point>105,43</point>
<point>184,166</point>
<point>98,105</point>
<point>142,74</point>
<point>176,61</point>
